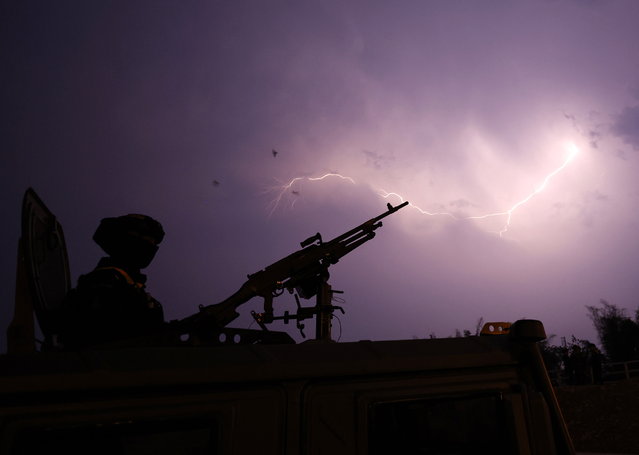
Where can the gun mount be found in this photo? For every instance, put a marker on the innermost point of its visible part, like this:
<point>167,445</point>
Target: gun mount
<point>303,273</point>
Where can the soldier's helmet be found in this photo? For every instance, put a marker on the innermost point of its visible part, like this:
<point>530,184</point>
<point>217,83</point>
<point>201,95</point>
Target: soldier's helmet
<point>131,239</point>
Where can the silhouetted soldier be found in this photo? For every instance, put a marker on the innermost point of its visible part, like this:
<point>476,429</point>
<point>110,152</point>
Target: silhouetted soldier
<point>596,361</point>
<point>579,365</point>
<point>110,303</point>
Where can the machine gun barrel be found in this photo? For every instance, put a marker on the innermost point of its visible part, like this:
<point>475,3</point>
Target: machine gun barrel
<point>370,225</point>
<point>294,270</point>
<point>364,232</point>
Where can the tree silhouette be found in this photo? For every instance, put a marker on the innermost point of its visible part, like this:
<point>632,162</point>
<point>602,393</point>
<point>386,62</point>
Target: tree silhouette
<point>575,362</point>
<point>618,334</point>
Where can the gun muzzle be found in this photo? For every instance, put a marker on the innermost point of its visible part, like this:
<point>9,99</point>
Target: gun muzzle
<point>397,207</point>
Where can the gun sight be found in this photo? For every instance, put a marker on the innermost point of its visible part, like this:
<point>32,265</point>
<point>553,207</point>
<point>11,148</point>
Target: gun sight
<point>312,239</point>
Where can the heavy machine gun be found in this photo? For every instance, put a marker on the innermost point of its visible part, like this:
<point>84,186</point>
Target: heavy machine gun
<point>304,273</point>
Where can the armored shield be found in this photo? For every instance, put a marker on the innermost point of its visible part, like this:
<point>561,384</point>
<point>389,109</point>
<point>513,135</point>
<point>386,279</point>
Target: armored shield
<point>46,261</point>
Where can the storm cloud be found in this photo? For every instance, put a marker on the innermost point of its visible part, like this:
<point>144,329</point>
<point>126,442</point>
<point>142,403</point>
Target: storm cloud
<point>626,126</point>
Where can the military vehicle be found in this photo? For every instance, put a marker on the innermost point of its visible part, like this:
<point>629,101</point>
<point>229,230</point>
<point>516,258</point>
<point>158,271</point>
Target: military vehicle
<point>228,391</point>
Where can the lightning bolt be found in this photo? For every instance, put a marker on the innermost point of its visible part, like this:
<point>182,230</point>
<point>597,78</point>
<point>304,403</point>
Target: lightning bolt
<point>573,150</point>
<point>285,188</point>
<point>385,194</point>
<point>508,214</point>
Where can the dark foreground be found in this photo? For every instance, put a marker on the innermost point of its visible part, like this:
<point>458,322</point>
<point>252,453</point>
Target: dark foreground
<point>602,418</point>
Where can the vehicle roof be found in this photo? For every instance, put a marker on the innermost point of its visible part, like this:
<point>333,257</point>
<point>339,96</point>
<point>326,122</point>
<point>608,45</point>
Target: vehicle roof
<point>166,366</point>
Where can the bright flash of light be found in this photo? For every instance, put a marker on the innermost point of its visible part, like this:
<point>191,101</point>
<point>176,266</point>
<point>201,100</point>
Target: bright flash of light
<point>572,153</point>
<point>289,186</point>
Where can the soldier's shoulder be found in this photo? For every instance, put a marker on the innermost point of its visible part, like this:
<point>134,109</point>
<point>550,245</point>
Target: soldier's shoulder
<point>106,276</point>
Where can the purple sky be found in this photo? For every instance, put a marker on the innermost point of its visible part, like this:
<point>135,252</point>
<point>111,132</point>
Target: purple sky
<point>460,107</point>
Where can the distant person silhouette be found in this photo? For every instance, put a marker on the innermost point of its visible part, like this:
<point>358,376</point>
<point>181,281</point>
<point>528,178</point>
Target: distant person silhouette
<point>110,304</point>
<point>596,364</point>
